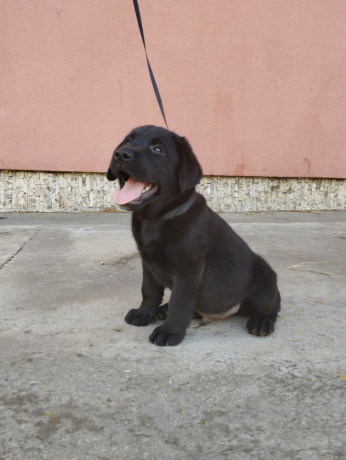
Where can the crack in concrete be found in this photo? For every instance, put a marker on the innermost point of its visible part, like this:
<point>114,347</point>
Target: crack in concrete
<point>19,250</point>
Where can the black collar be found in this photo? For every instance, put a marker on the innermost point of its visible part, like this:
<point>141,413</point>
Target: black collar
<point>180,209</point>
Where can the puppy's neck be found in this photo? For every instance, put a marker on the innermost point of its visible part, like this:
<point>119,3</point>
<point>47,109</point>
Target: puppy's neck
<point>174,209</point>
<point>182,209</point>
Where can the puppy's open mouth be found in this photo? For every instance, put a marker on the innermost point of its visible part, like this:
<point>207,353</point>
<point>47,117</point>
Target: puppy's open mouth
<point>133,191</point>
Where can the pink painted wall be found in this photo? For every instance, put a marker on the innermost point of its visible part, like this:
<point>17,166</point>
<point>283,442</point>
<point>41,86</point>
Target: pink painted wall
<point>258,87</point>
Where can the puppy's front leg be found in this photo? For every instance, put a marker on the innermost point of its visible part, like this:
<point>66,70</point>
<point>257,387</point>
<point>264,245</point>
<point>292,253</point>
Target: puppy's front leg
<point>152,293</point>
<point>180,310</point>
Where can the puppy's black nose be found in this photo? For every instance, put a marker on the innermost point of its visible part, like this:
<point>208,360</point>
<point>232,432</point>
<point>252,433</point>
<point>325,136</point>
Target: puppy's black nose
<point>123,155</point>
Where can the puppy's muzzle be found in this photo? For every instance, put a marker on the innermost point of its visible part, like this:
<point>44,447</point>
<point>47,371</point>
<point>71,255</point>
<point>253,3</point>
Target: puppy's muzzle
<point>123,155</point>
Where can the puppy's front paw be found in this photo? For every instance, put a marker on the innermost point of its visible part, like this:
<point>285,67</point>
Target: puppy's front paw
<point>261,325</point>
<point>163,336</point>
<point>138,317</point>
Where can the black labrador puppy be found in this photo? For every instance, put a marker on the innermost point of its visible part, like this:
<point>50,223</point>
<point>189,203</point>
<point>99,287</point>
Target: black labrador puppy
<point>184,245</point>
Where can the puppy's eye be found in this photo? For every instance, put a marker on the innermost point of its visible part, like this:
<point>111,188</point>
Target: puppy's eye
<point>128,140</point>
<point>157,149</point>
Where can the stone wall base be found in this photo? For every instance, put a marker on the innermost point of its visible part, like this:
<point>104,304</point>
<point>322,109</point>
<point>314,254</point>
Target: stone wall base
<point>29,191</point>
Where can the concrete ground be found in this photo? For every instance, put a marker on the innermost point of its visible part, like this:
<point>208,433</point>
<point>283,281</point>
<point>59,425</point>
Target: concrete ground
<point>77,382</point>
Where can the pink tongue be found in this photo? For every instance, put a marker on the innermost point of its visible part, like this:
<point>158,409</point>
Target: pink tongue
<point>131,190</point>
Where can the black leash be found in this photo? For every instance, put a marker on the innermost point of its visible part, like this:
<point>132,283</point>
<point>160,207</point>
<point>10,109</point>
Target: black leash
<point>156,89</point>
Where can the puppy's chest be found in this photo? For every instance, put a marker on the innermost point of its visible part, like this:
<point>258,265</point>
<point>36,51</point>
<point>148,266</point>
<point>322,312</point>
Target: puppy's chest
<point>151,242</point>
<point>153,248</point>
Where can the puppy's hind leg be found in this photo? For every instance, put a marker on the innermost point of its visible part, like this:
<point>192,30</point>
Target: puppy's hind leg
<point>263,305</point>
<point>261,324</point>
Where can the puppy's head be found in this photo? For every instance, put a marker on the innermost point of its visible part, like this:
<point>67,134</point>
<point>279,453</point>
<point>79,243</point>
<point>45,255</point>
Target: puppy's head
<point>153,166</point>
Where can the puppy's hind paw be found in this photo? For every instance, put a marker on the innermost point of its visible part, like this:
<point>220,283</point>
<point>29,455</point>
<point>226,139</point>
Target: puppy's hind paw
<point>261,325</point>
<point>138,317</point>
<point>161,312</point>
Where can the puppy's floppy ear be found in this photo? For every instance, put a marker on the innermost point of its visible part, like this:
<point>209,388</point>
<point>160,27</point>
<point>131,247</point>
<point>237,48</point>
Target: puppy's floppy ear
<point>110,175</point>
<point>190,171</point>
